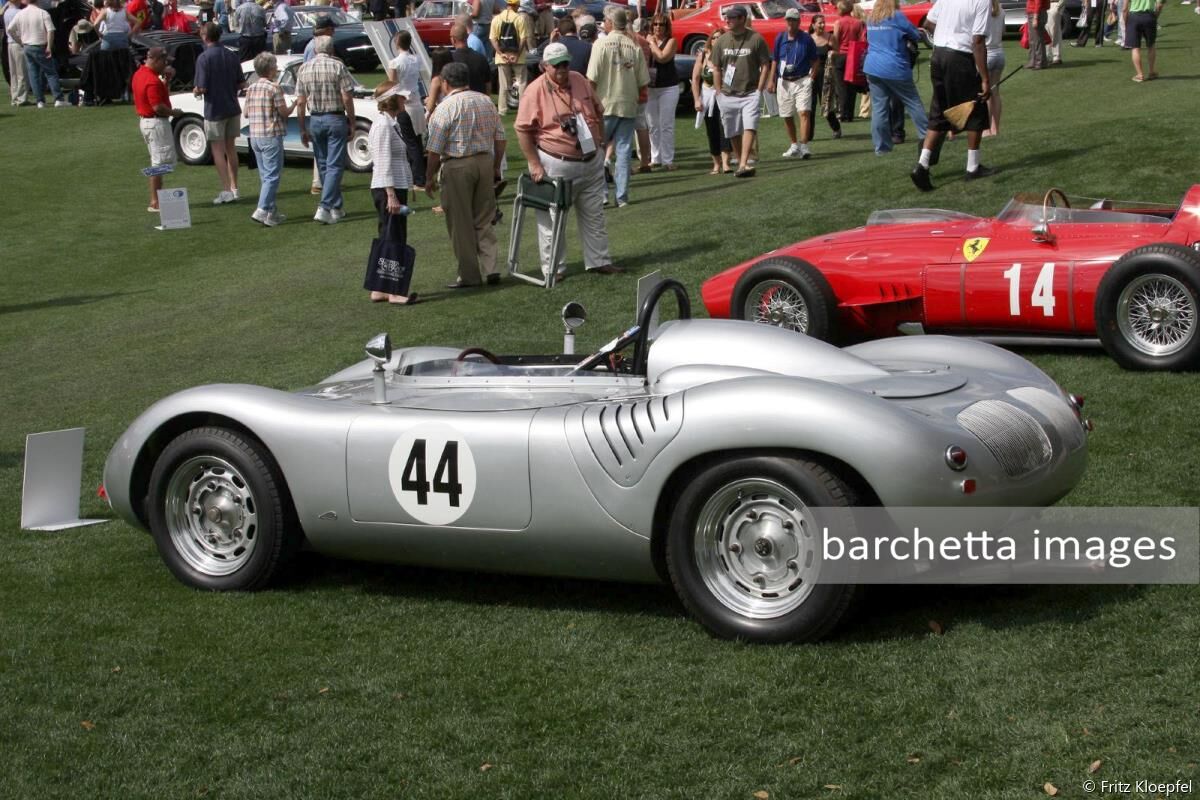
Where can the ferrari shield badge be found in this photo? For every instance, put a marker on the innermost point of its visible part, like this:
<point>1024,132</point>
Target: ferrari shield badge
<point>973,248</point>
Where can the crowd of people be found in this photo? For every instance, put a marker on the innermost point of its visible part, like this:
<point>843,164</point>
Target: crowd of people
<point>607,89</point>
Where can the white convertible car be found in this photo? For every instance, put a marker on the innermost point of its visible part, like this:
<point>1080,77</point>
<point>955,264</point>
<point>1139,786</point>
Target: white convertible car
<point>192,145</point>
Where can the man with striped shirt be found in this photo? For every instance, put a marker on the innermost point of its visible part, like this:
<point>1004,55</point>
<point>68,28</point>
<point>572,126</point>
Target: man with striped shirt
<point>466,139</point>
<point>325,110</point>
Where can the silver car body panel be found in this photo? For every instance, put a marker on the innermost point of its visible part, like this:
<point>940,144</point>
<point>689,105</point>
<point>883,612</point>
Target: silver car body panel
<point>563,473</point>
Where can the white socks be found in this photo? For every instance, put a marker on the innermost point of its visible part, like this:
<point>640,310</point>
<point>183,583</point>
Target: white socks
<point>926,155</point>
<point>972,160</point>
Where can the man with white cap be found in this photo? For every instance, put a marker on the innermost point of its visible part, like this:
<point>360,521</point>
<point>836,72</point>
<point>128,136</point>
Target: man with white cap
<point>741,70</point>
<point>793,68</point>
<point>560,128</point>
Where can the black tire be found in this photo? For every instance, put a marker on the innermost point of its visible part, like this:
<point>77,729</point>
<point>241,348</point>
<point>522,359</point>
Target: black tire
<point>191,143</point>
<point>808,304</point>
<point>694,46</point>
<point>358,154</point>
<point>254,532</point>
<point>1148,308</point>
<point>711,571</point>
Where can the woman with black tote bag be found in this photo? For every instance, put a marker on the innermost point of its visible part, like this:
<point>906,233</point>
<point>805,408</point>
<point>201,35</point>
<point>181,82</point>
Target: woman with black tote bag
<point>389,269</point>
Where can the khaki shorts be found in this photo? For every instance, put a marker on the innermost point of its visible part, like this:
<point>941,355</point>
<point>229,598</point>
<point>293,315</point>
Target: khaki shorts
<point>156,133</point>
<point>794,96</point>
<point>219,129</point>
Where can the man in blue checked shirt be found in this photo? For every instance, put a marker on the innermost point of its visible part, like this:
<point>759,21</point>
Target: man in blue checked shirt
<point>793,67</point>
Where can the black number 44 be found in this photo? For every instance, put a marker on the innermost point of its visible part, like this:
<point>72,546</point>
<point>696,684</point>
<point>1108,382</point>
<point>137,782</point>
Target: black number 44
<point>445,477</point>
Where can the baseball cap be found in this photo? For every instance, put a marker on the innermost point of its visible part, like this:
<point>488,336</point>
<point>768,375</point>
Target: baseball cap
<point>324,21</point>
<point>791,13</point>
<point>735,11</point>
<point>556,53</point>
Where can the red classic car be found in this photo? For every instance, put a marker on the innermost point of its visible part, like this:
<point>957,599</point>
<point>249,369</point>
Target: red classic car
<point>1046,266</point>
<point>433,19</point>
<point>766,17</point>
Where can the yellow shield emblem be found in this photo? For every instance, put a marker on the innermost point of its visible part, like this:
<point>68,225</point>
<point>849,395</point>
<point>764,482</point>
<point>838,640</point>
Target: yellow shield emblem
<point>973,248</point>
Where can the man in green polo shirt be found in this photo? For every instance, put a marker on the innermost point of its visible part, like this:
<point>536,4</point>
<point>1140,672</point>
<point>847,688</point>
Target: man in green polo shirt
<point>1141,24</point>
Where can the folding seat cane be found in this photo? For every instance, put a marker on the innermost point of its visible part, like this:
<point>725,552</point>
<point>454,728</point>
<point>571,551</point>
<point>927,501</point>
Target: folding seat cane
<point>549,194</point>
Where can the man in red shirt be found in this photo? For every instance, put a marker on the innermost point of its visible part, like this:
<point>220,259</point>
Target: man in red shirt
<point>153,105</point>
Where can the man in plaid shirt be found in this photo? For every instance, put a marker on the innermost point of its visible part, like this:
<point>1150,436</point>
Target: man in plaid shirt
<point>323,93</point>
<point>466,138</point>
<point>267,111</point>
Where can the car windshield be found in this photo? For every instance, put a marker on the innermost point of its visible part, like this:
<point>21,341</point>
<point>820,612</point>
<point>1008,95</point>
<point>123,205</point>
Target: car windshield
<point>436,8</point>
<point>306,17</point>
<point>1026,208</point>
<point>904,216</point>
<point>775,9</point>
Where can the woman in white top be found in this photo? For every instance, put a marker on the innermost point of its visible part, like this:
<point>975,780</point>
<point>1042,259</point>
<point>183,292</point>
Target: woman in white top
<point>995,65</point>
<point>405,70</point>
<point>390,176</point>
<point>116,25</point>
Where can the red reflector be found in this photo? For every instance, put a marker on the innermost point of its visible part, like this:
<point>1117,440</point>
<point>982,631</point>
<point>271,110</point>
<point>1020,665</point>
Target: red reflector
<point>968,486</point>
<point>101,492</point>
<point>1077,400</point>
<point>956,457</point>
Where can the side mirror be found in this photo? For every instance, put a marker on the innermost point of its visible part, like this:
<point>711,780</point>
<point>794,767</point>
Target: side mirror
<point>1042,235</point>
<point>574,315</point>
<point>379,349</point>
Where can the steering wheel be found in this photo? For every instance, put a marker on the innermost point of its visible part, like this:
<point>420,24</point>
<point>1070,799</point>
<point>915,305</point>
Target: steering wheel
<point>1047,203</point>
<point>639,334</point>
<point>486,355</point>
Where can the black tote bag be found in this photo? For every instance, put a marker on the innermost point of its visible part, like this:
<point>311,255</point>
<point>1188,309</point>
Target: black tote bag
<point>389,269</point>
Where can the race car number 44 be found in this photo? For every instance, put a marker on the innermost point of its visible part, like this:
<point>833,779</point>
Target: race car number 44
<point>432,474</point>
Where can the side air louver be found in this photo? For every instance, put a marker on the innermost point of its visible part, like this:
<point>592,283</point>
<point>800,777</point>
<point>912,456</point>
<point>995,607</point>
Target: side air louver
<point>1013,436</point>
<point>625,437</point>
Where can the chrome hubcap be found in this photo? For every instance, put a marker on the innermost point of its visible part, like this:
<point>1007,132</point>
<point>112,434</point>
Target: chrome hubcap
<point>1157,314</point>
<point>777,303</point>
<point>755,548</point>
<point>359,150</point>
<point>211,515</point>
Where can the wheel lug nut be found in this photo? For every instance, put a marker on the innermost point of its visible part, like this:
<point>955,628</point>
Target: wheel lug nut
<point>793,566</point>
<point>751,515</point>
<point>788,525</point>
<point>734,547</point>
<point>760,581</point>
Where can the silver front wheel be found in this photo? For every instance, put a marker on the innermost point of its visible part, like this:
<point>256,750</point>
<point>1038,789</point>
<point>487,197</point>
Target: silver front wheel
<point>192,142</point>
<point>358,152</point>
<point>755,549</point>
<point>1156,314</point>
<point>211,516</point>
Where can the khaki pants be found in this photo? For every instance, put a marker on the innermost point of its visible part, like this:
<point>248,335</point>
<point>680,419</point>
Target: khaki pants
<point>587,197</point>
<point>18,87</point>
<point>469,200</point>
<point>508,74</point>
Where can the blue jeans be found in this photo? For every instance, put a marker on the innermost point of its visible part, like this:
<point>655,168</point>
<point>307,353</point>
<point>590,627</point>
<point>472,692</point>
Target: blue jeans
<point>904,90</point>
<point>115,41</point>
<point>619,131</point>
<point>39,66</point>
<point>328,132</point>
<point>484,32</point>
<point>269,152</point>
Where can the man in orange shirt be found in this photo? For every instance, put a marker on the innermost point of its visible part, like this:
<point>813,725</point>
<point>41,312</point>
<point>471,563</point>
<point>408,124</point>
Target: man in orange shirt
<point>560,128</point>
<point>152,102</point>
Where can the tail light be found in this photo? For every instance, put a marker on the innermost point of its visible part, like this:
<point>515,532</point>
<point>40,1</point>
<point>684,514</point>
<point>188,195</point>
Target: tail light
<point>956,458</point>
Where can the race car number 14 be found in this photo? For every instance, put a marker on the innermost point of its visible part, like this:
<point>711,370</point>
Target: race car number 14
<point>1043,290</point>
<point>432,473</point>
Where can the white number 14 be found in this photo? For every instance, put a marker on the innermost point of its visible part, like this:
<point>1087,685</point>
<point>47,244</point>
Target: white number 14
<point>1043,290</point>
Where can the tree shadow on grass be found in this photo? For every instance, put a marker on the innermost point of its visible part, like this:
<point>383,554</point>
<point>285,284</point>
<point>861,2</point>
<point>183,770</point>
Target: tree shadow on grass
<point>66,301</point>
<point>483,589</point>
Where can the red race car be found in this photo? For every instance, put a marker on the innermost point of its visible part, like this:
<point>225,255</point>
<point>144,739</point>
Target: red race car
<point>1046,266</point>
<point>766,17</point>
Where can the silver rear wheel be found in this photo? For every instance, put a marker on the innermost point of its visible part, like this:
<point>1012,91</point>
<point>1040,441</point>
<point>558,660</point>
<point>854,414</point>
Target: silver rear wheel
<point>776,302</point>
<point>211,516</point>
<point>755,549</point>
<point>1157,314</point>
<point>358,152</point>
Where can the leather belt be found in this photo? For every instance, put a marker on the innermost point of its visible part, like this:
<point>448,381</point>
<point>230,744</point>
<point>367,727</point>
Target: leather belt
<point>572,159</point>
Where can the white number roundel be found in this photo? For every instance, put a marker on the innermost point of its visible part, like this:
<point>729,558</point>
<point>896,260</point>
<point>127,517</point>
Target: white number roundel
<point>432,473</point>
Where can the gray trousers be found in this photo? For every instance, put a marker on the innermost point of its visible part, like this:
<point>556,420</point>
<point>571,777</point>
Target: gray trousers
<point>18,87</point>
<point>587,198</point>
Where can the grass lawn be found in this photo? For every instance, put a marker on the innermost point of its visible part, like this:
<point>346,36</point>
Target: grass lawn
<point>365,680</point>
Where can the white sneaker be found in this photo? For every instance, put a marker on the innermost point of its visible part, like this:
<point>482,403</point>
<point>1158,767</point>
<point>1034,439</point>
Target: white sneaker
<point>260,215</point>
<point>41,104</point>
<point>792,151</point>
<point>750,162</point>
<point>323,216</point>
<point>733,161</point>
<point>274,218</point>
<point>224,197</point>
<point>337,213</point>
<point>234,196</point>
<point>805,152</point>
<point>61,104</point>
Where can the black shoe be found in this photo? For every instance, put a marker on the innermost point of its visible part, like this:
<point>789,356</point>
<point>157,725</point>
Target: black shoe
<point>493,279</point>
<point>979,172</point>
<point>920,178</point>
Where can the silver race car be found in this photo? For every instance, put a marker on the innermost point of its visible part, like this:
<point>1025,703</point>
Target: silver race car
<point>696,455</point>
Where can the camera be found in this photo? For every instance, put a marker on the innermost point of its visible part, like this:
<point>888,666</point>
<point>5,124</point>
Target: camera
<point>569,125</point>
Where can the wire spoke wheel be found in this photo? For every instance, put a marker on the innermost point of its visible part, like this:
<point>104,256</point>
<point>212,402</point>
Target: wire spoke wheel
<point>776,302</point>
<point>1157,314</point>
<point>755,549</point>
<point>211,515</point>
